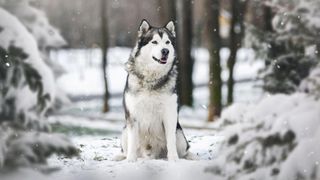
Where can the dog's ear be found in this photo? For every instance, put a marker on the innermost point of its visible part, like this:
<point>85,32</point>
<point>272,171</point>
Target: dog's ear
<point>144,27</point>
<point>171,28</point>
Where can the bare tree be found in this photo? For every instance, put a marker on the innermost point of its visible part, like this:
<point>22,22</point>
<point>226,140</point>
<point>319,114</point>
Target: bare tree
<point>236,34</point>
<point>184,42</point>
<point>214,45</point>
<point>104,48</point>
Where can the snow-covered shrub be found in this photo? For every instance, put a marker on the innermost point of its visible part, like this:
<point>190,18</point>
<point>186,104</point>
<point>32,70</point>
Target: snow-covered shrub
<point>29,148</point>
<point>273,139</point>
<point>296,26</point>
<point>26,93</point>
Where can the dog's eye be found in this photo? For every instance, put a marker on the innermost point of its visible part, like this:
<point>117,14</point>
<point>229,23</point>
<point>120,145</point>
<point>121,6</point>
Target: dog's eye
<point>154,42</point>
<point>167,42</point>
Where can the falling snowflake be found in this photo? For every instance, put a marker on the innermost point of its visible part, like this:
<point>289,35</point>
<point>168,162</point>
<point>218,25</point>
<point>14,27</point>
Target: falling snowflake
<point>204,106</point>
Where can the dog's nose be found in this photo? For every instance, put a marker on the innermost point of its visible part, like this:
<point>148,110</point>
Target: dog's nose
<point>165,51</point>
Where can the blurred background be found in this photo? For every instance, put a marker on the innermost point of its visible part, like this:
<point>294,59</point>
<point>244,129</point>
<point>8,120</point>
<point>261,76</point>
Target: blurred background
<point>80,23</point>
<point>249,83</point>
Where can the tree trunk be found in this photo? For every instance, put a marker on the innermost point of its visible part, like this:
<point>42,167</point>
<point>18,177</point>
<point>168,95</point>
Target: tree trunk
<point>214,44</point>
<point>104,48</point>
<point>275,49</point>
<point>172,10</point>
<point>268,18</point>
<point>236,34</point>
<point>167,11</point>
<point>317,52</point>
<point>184,42</point>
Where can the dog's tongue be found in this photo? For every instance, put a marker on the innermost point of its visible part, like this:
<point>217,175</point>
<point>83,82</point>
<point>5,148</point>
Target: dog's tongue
<point>163,60</point>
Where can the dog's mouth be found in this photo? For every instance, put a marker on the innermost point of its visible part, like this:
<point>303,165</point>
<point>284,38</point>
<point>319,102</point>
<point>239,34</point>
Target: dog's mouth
<point>162,60</point>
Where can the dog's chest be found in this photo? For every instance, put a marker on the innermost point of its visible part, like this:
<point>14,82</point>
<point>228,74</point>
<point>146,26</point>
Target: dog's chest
<point>149,103</point>
<point>150,109</point>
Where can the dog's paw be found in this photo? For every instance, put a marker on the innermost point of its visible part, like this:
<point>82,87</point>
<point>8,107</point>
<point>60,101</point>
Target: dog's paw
<point>131,159</point>
<point>173,158</point>
<point>191,156</point>
<point>119,157</point>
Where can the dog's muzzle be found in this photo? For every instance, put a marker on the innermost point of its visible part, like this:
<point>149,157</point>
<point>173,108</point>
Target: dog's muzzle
<point>163,60</point>
<point>164,56</point>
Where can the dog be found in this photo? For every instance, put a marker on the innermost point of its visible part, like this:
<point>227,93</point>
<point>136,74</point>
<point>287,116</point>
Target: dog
<point>150,100</point>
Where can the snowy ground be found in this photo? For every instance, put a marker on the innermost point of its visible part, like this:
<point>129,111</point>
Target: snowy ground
<point>249,141</point>
<point>97,135</point>
<point>257,140</point>
<point>97,153</point>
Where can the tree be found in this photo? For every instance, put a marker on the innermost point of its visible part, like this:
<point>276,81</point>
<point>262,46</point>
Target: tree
<point>45,34</point>
<point>184,42</point>
<point>214,44</point>
<point>284,45</point>
<point>104,49</point>
<point>26,94</point>
<point>236,34</point>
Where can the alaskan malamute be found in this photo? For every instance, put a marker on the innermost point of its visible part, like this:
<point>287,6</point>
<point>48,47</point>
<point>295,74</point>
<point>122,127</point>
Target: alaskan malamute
<point>150,99</point>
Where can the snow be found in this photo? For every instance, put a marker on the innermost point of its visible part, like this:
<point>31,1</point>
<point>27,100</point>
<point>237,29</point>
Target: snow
<point>269,137</point>
<point>36,22</point>
<point>84,74</point>
<point>258,140</point>
<point>249,141</point>
<point>97,153</point>
<point>45,35</point>
<point>311,84</point>
<point>84,122</point>
<point>267,142</point>
<point>260,136</point>
<point>291,16</point>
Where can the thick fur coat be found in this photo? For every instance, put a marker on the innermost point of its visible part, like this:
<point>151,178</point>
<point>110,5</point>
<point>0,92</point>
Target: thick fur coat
<point>150,100</point>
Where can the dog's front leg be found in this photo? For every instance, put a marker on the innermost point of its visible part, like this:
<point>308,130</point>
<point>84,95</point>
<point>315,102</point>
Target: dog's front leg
<point>133,141</point>
<point>170,125</point>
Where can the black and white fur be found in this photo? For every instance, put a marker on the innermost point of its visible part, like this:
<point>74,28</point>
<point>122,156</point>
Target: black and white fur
<point>150,100</point>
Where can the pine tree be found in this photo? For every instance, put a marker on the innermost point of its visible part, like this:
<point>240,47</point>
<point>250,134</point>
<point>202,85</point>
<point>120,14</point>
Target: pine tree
<point>25,96</point>
<point>294,29</point>
<point>46,35</point>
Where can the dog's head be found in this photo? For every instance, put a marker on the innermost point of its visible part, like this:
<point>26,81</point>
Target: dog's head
<point>155,49</point>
